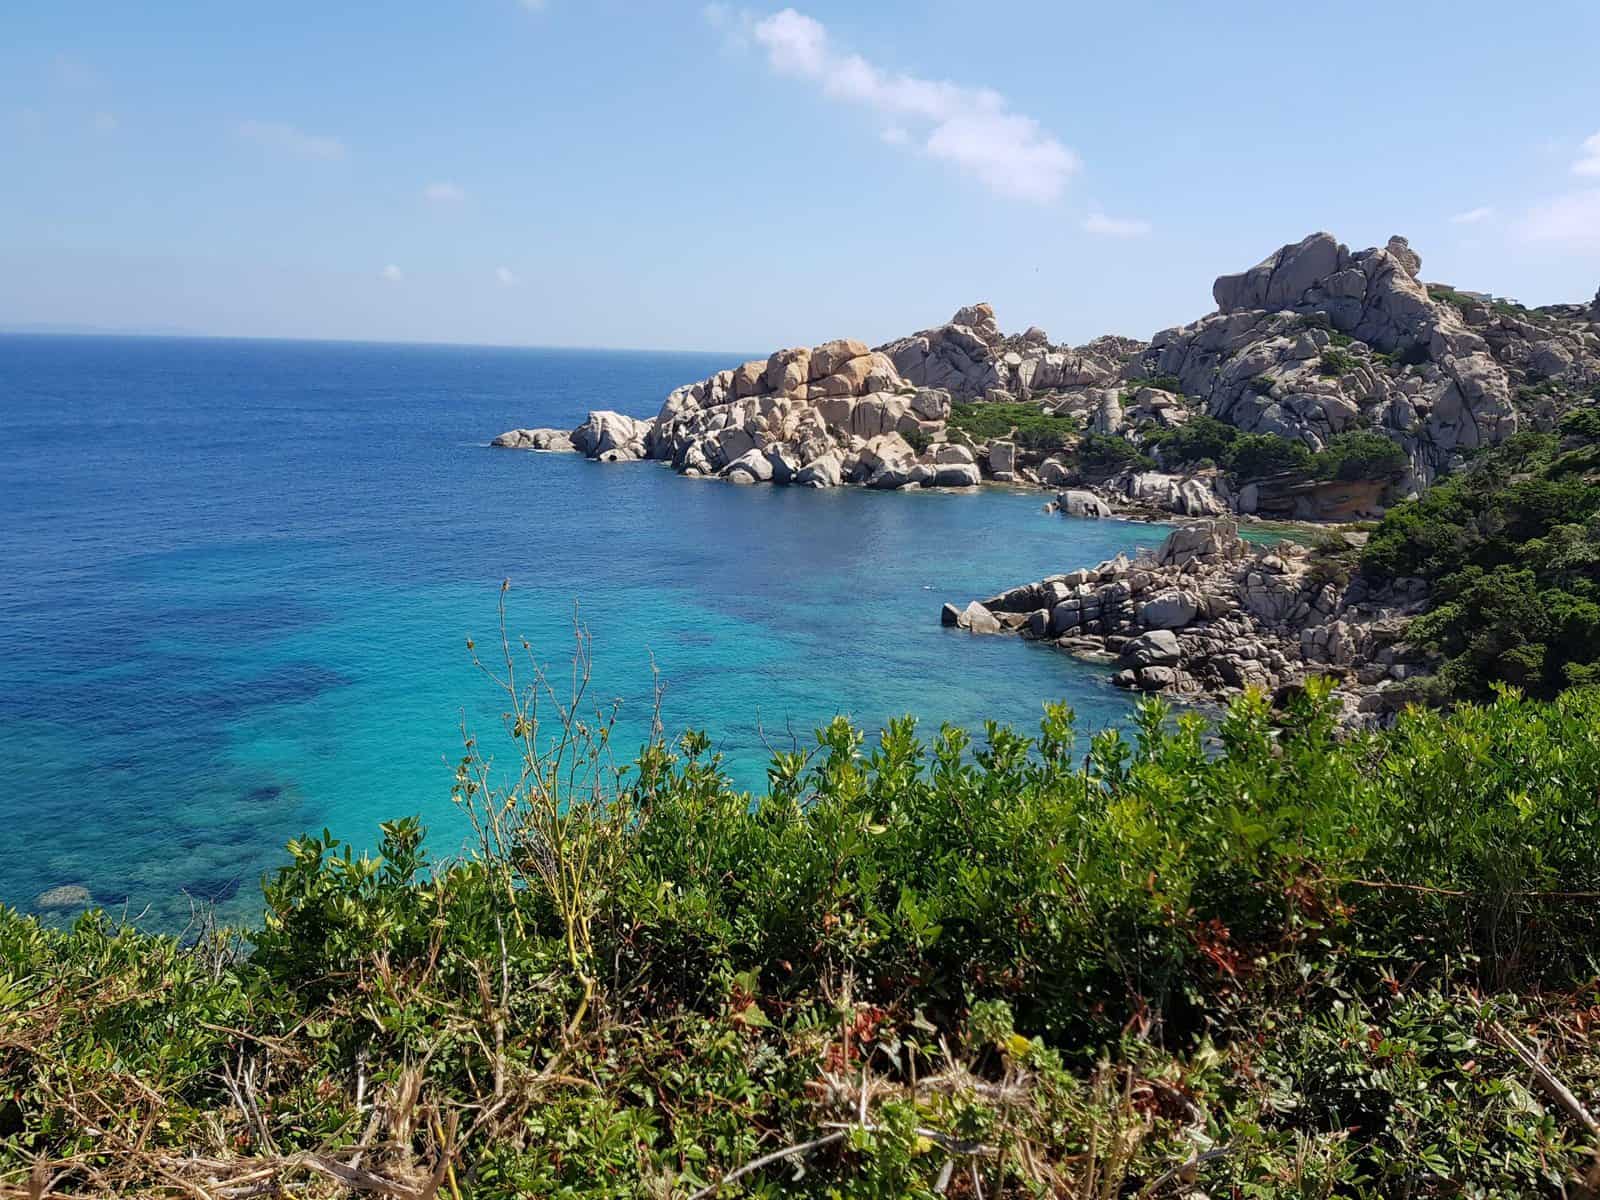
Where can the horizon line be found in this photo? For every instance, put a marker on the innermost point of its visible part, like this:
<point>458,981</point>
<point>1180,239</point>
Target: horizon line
<point>181,336</point>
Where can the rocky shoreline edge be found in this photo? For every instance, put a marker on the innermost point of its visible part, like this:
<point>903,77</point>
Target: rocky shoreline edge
<point>1207,615</point>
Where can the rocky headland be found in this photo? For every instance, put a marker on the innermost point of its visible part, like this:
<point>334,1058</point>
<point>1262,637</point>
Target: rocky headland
<point>1314,342</point>
<point>1327,385</point>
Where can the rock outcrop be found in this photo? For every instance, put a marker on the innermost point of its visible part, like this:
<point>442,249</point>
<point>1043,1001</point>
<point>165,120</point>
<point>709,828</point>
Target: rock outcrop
<point>970,358</point>
<point>613,437</point>
<point>1316,340</point>
<point>1207,614</point>
<point>536,439</point>
<point>1313,342</point>
<point>818,417</point>
<point>1077,502</point>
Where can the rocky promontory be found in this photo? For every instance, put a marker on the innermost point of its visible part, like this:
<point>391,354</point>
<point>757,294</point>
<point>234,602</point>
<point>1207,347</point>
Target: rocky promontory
<point>1209,614</point>
<point>1313,351</point>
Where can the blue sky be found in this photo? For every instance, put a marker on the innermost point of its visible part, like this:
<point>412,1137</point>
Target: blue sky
<point>726,176</point>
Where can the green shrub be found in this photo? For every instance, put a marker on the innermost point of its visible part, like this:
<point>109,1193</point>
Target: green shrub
<point>1317,952</point>
<point>1257,455</point>
<point>1199,438</point>
<point>1101,455</point>
<point>1581,425</point>
<point>1164,383</point>
<point>1337,362</point>
<point>1511,546</point>
<point>1026,424</point>
<point>1361,454</point>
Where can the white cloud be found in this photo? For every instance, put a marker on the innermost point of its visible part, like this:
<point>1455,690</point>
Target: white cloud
<point>443,193</point>
<point>1589,164</point>
<point>106,122</point>
<point>506,276</point>
<point>795,43</point>
<point>1103,226</point>
<point>393,273</point>
<point>971,128</point>
<point>1570,222</point>
<point>1473,216</point>
<point>281,136</point>
<point>895,135</point>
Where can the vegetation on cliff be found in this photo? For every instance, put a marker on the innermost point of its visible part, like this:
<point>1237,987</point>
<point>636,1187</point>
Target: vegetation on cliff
<point>1206,441</point>
<point>1026,424</point>
<point>1511,545</point>
<point>1250,958</point>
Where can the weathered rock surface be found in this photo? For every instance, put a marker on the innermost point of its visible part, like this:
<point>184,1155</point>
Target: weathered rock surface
<point>536,439</point>
<point>815,417</point>
<point>970,358</point>
<point>1080,503</point>
<point>612,437</point>
<point>1312,342</point>
<point>1207,614</point>
<point>1315,340</point>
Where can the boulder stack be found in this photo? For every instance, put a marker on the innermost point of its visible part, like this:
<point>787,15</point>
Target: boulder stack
<point>1206,614</point>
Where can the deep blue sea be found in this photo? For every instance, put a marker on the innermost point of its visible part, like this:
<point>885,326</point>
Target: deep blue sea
<point>237,579</point>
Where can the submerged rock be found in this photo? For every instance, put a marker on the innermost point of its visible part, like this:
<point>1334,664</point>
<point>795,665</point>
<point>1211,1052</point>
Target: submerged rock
<point>66,895</point>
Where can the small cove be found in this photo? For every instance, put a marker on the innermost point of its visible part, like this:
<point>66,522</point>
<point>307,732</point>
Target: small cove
<point>239,578</point>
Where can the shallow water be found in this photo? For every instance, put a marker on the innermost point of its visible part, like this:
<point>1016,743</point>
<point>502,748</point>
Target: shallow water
<point>236,580</point>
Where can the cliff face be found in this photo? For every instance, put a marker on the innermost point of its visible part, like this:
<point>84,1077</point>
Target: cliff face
<point>1313,342</point>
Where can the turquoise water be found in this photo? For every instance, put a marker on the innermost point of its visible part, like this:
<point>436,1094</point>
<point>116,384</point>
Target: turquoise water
<point>237,578</point>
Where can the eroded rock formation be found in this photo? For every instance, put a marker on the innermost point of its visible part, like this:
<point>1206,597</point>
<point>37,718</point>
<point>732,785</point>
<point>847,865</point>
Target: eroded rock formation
<point>1208,614</point>
<point>1313,342</point>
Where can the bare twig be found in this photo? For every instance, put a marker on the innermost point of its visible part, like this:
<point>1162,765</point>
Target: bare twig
<point>1384,885</point>
<point>1548,1083</point>
<point>1184,1171</point>
<point>767,1159</point>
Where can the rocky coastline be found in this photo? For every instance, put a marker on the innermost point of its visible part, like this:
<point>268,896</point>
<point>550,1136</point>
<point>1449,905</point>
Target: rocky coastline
<point>1308,349</point>
<point>1208,614</point>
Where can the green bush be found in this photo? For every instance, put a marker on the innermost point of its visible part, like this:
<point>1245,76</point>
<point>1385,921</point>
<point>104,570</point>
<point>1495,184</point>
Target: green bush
<point>1026,424</point>
<point>1511,546</point>
<point>1337,362</point>
<point>1101,456</point>
<point>1360,454</point>
<point>1257,455</point>
<point>1355,455</point>
<point>1581,425</point>
<point>1164,383</point>
<point>1199,438</point>
<point>1070,971</point>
